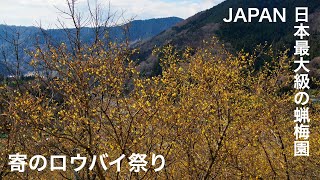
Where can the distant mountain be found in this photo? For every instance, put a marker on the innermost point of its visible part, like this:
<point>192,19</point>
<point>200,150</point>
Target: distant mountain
<point>139,30</point>
<point>237,36</point>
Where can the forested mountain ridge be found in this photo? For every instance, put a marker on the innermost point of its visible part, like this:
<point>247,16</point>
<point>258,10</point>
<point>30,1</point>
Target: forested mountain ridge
<point>28,37</point>
<point>241,35</point>
<point>236,36</point>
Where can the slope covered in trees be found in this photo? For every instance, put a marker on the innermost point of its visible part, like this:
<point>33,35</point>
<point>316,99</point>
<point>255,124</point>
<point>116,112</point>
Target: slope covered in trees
<point>210,116</point>
<point>237,36</point>
<point>28,37</point>
<point>210,23</point>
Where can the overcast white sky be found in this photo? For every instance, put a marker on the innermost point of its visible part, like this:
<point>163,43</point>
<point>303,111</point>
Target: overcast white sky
<point>29,12</point>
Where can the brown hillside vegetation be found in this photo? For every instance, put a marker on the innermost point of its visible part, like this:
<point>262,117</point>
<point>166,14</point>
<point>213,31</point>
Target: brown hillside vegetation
<point>210,117</point>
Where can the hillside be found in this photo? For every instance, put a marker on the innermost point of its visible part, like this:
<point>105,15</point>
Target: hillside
<point>237,36</point>
<point>138,30</point>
